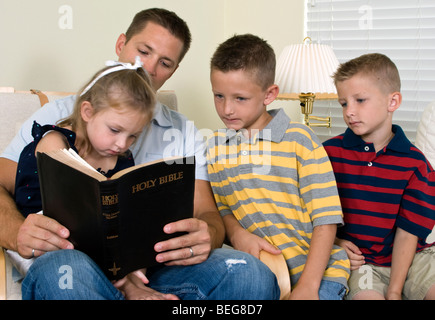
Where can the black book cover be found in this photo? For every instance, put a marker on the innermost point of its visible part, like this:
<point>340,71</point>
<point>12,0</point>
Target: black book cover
<point>118,221</point>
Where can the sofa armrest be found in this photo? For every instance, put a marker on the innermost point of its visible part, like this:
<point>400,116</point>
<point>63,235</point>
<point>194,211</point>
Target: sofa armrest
<point>278,266</point>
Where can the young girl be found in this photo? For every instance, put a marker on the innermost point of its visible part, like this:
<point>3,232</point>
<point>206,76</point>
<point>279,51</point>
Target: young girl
<point>111,111</point>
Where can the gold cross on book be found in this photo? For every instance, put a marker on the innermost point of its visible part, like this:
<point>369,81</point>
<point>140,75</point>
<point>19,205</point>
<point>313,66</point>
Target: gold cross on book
<point>114,269</point>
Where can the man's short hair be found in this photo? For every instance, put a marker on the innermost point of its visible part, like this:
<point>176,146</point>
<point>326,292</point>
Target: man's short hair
<point>165,18</point>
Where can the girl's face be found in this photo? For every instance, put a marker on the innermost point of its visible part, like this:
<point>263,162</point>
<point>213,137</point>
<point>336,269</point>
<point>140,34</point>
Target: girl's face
<point>113,130</point>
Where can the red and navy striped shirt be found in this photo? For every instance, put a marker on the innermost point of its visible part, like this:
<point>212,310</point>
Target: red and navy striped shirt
<point>394,187</point>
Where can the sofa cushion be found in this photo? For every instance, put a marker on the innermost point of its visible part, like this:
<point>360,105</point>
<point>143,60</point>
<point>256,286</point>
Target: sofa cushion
<point>15,108</point>
<point>425,139</point>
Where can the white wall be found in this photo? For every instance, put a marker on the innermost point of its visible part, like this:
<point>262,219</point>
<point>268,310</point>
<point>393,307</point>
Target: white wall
<point>38,50</point>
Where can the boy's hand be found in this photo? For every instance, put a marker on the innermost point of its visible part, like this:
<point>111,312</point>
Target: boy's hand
<point>248,242</point>
<point>353,252</point>
<point>304,293</point>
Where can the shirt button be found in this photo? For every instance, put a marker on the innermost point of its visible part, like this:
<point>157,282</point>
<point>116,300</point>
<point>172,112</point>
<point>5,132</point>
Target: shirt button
<point>370,164</point>
<point>244,152</point>
<point>366,148</point>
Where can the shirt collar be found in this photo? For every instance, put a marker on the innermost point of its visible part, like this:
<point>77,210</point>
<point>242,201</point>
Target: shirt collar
<point>162,116</point>
<point>399,143</point>
<point>274,130</point>
<point>277,126</point>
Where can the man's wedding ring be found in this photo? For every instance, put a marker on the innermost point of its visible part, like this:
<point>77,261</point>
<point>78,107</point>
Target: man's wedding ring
<point>33,253</point>
<point>191,252</point>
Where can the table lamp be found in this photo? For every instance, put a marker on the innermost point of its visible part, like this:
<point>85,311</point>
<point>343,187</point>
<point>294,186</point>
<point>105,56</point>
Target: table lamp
<point>304,72</point>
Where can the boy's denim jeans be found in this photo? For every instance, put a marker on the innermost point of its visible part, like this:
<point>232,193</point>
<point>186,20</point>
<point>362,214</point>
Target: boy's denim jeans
<point>226,275</point>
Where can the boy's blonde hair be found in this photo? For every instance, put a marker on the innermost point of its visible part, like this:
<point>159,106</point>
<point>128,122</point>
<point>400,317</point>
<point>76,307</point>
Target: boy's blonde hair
<point>249,53</point>
<point>373,64</point>
<point>120,89</point>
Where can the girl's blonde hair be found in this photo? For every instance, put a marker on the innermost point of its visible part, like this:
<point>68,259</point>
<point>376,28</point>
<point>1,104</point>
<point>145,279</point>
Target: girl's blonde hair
<point>129,88</point>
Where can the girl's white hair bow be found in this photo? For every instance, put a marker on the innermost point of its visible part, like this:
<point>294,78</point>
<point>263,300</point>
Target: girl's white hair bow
<point>117,66</point>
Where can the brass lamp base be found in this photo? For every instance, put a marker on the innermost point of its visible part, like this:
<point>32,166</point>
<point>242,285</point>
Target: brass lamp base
<point>307,100</point>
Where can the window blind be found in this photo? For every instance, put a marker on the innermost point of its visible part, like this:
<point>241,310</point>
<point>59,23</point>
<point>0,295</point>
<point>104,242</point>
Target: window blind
<point>404,30</point>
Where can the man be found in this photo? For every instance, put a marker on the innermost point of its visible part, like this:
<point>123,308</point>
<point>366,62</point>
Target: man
<point>192,270</point>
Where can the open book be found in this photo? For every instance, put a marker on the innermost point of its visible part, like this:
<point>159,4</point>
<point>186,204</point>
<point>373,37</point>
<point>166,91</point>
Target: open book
<point>116,221</point>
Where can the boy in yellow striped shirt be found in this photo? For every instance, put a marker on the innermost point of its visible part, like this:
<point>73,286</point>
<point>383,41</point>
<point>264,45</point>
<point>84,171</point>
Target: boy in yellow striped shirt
<point>272,179</point>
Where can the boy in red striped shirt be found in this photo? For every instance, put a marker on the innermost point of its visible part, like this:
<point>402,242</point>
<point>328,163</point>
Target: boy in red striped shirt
<point>386,187</point>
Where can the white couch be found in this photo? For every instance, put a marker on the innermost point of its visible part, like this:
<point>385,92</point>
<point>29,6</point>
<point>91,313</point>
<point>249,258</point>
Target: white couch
<point>425,141</point>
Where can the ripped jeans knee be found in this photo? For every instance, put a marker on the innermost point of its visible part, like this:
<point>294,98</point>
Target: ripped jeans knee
<point>226,275</point>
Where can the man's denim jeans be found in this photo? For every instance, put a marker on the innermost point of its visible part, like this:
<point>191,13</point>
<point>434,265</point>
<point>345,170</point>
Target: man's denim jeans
<point>226,275</point>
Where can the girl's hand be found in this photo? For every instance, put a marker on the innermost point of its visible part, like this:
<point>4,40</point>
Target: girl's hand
<point>133,287</point>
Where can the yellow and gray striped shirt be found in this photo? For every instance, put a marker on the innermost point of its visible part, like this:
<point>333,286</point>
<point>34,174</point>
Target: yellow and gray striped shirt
<point>279,184</point>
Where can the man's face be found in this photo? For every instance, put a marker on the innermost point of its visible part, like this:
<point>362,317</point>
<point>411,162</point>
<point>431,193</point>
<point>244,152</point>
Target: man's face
<point>158,49</point>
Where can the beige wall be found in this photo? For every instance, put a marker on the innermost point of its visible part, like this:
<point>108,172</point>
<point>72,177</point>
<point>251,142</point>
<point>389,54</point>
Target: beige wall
<point>41,47</point>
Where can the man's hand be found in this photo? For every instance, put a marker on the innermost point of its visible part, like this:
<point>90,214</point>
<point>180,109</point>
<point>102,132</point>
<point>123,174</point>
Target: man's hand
<point>39,234</point>
<point>191,248</point>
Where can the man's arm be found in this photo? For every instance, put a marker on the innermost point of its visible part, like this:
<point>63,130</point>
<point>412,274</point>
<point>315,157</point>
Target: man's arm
<point>37,232</point>
<point>206,210</point>
<point>10,218</point>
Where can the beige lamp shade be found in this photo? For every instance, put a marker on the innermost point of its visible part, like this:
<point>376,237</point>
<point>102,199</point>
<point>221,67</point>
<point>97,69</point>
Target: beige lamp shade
<point>306,68</point>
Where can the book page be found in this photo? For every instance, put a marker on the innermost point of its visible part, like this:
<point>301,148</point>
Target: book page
<point>127,170</point>
<point>72,159</point>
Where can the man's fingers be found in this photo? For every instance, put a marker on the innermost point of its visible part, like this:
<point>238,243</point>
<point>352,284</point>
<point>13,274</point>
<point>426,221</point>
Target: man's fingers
<point>196,233</point>
<point>185,225</point>
<point>184,256</point>
<point>39,234</point>
<point>45,223</point>
<point>190,248</point>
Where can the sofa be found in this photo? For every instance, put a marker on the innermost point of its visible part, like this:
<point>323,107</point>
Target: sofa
<point>425,141</point>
